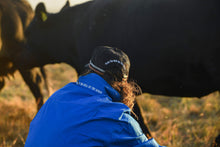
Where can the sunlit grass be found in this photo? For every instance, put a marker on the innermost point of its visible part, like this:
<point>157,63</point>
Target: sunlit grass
<point>183,121</point>
<point>15,117</point>
<point>175,122</point>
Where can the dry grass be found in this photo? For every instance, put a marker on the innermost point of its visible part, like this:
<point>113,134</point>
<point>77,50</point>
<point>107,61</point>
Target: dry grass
<point>183,122</point>
<point>14,121</point>
<point>175,122</point>
<point>17,104</point>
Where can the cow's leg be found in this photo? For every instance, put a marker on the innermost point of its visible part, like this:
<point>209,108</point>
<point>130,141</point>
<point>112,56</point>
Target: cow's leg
<point>33,78</point>
<point>42,70</point>
<point>2,83</point>
<point>216,142</point>
<point>141,119</point>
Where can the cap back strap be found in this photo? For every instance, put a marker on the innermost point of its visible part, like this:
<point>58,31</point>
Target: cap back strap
<point>95,68</point>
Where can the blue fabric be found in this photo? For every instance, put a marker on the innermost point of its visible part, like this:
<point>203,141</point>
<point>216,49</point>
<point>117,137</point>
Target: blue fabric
<point>86,113</point>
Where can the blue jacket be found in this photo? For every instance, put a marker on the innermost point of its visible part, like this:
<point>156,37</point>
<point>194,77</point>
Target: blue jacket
<point>83,114</point>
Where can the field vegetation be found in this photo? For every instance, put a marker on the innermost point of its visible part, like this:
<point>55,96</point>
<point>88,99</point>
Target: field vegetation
<point>174,121</point>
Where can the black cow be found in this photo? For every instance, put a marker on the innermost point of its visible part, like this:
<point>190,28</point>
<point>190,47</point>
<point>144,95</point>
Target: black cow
<point>15,16</point>
<point>174,46</point>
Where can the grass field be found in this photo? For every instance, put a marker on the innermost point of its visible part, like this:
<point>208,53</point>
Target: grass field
<point>175,122</point>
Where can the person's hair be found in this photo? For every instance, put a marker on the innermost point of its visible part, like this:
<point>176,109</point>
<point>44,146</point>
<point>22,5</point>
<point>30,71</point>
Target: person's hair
<point>127,89</point>
<point>113,65</point>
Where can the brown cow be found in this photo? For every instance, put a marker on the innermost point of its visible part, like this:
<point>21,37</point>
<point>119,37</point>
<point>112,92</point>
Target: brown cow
<point>15,16</point>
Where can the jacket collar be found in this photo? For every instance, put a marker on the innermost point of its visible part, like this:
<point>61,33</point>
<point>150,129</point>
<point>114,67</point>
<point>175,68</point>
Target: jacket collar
<point>97,84</point>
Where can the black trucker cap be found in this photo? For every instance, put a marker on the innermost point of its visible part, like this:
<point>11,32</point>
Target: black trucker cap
<point>110,59</point>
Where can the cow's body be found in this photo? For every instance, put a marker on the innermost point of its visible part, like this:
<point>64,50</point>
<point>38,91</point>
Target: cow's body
<point>15,16</point>
<point>174,46</point>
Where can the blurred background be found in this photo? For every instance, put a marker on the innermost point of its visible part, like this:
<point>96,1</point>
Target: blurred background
<point>54,5</point>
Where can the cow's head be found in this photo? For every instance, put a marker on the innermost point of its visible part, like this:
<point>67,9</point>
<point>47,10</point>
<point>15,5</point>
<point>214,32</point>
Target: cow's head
<point>45,38</point>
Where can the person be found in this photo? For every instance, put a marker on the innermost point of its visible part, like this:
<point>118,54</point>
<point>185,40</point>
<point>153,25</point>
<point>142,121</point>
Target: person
<point>94,111</point>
